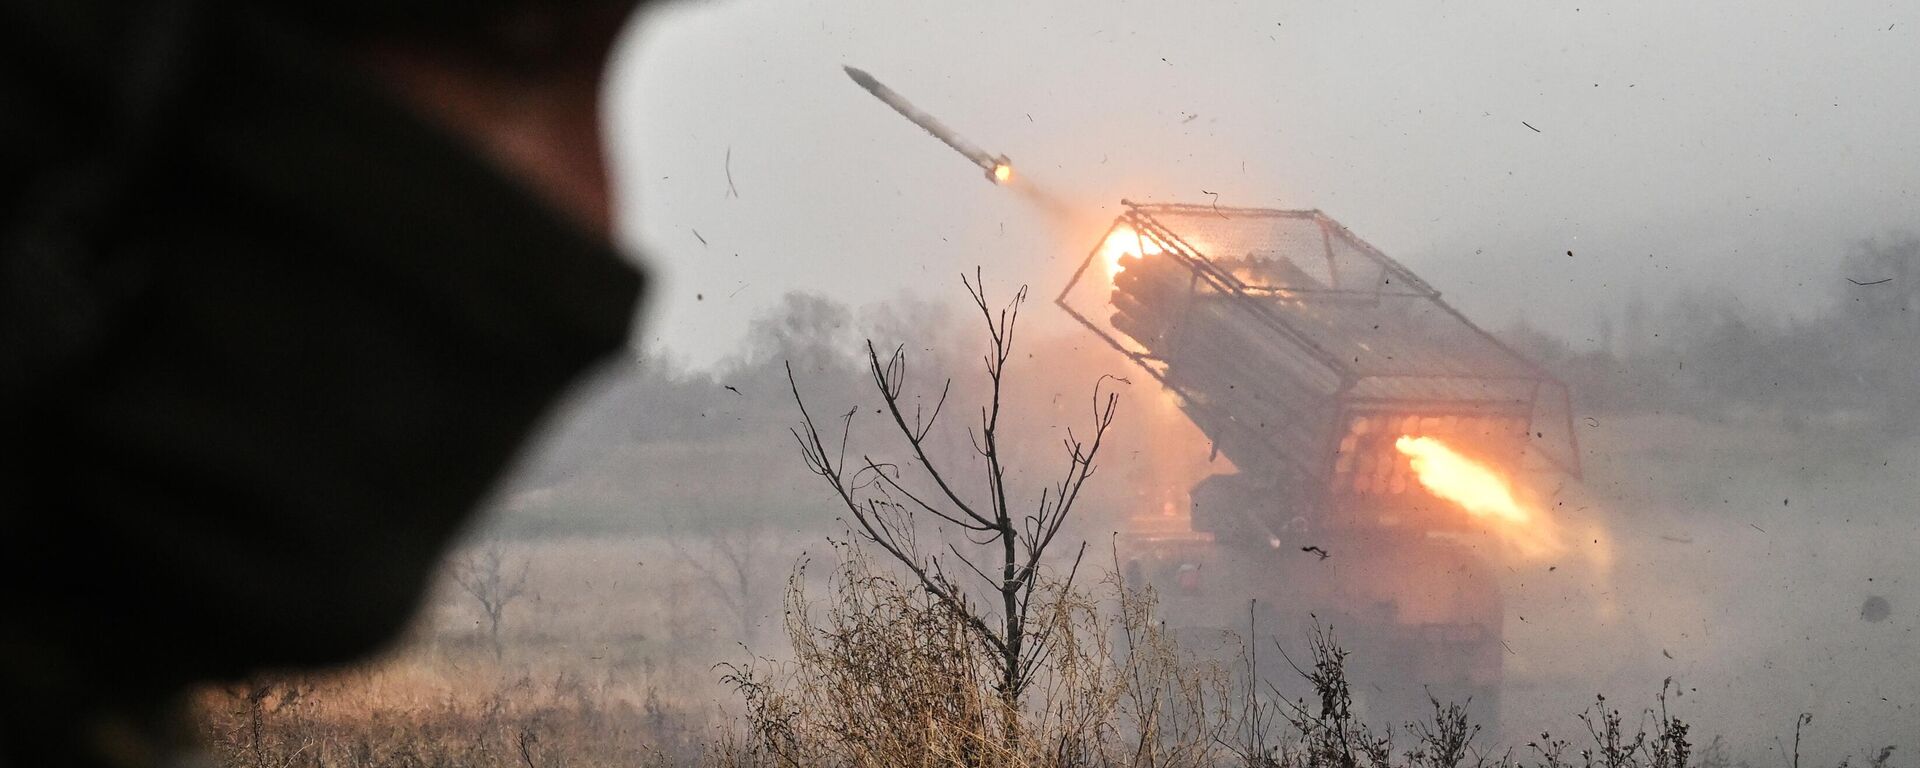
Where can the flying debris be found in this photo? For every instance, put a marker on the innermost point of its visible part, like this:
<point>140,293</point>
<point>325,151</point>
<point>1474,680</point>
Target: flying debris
<point>999,169</point>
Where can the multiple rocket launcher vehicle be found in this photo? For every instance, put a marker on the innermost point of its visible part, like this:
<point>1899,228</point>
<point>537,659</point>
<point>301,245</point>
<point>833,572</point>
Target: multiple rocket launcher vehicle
<point>1321,369</point>
<point>1325,372</point>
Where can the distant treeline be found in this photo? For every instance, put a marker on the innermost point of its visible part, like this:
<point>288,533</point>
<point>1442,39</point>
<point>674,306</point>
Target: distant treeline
<point>657,445</point>
<point>1854,365</point>
<point>654,445</point>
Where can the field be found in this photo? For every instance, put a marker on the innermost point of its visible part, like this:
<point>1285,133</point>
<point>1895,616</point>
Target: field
<point>1735,563</point>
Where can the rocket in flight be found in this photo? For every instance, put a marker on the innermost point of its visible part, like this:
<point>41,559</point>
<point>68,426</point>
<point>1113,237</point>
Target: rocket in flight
<point>999,169</point>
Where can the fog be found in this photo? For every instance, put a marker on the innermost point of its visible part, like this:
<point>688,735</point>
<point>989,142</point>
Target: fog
<point>1699,218</point>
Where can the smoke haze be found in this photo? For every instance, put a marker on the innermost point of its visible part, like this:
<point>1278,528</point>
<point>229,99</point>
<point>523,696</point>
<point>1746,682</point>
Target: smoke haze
<point>1669,147</point>
<point>1682,210</point>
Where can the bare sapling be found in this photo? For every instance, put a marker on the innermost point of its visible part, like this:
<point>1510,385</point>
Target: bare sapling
<point>494,583</point>
<point>986,566</point>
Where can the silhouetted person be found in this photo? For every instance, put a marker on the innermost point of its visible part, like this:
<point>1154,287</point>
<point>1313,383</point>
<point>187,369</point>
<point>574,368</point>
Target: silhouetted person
<point>283,285</point>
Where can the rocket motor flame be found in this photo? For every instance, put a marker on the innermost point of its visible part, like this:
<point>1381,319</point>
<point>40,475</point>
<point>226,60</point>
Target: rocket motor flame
<point>1121,242</point>
<point>1461,480</point>
<point>1479,490</point>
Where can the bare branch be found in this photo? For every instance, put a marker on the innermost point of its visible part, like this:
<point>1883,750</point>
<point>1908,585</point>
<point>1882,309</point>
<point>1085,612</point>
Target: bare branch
<point>942,514</point>
<point>921,429</point>
<point>889,392</point>
<point>976,569</point>
<point>1042,646</point>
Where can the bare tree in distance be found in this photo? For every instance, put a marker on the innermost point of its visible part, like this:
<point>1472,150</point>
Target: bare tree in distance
<point>1008,545</point>
<point>735,571</point>
<point>493,583</point>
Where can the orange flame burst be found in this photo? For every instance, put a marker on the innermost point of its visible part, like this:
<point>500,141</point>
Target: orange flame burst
<point>1479,490</point>
<point>1002,173</point>
<point>1123,241</point>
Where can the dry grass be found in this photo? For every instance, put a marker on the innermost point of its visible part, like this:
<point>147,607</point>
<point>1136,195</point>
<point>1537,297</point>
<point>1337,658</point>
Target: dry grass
<point>346,721</point>
<point>879,674</point>
<point>593,673</point>
<point>884,675</point>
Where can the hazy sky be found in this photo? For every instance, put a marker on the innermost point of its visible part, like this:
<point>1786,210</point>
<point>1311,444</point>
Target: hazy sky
<point>1738,147</point>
